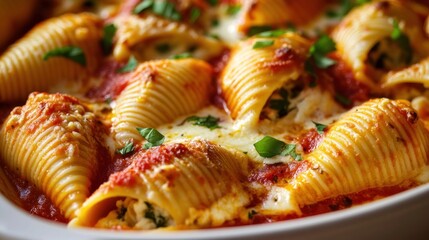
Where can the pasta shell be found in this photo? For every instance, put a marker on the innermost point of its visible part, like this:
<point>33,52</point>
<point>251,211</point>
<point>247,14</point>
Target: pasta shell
<point>365,26</point>
<point>50,142</point>
<point>159,92</point>
<point>380,143</point>
<point>14,15</point>
<point>190,180</point>
<point>144,36</point>
<point>279,12</point>
<point>417,73</point>
<point>23,70</point>
<point>252,75</point>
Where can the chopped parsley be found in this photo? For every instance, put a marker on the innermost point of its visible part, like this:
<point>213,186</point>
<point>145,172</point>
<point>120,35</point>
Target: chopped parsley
<point>73,53</point>
<point>182,55</point>
<point>317,57</point>
<point>273,33</point>
<point>251,213</point>
<point>108,34</point>
<point>233,9</point>
<point>253,30</point>
<point>130,66</point>
<point>263,44</point>
<point>343,99</point>
<point>281,105</point>
<point>121,213</point>
<point>269,147</point>
<point>152,136</point>
<point>144,5</point>
<point>345,7</point>
<point>209,122</point>
<point>128,148</point>
<point>212,2</point>
<point>159,221</point>
<point>320,49</point>
<point>402,40</point>
<point>195,14</point>
<point>320,127</point>
<point>162,8</point>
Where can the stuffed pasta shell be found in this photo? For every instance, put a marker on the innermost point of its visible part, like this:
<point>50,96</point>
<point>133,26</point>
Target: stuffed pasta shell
<point>380,37</point>
<point>278,13</point>
<point>417,73</point>
<point>158,92</point>
<point>151,37</point>
<point>61,51</point>
<point>380,143</point>
<point>195,183</point>
<point>50,142</point>
<point>253,74</point>
<point>14,15</point>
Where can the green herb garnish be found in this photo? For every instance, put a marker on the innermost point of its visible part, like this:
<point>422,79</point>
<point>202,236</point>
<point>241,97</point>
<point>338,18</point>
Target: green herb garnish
<point>269,147</point>
<point>159,221</point>
<point>233,10</point>
<point>212,2</point>
<point>403,41</point>
<point>263,44</point>
<point>253,30</point>
<point>320,127</point>
<point>73,53</point>
<point>162,8</point>
<point>152,136</point>
<point>345,7</point>
<point>144,5</point>
<point>273,33</point>
<point>131,65</point>
<point>251,213</point>
<point>182,55</point>
<point>320,49</point>
<point>107,40</point>
<point>128,148</point>
<point>343,99</point>
<point>209,122</point>
<point>195,14</point>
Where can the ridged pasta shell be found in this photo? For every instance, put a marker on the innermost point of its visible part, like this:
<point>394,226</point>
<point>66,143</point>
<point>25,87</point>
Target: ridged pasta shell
<point>188,180</point>
<point>159,92</point>
<point>141,36</point>
<point>417,73</point>
<point>279,12</point>
<point>14,15</point>
<point>365,26</point>
<point>380,143</point>
<point>252,75</point>
<point>50,142</point>
<point>23,70</point>
<point>7,189</point>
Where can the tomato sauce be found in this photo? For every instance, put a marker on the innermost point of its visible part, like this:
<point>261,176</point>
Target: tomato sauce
<point>344,83</point>
<point>33,200</point>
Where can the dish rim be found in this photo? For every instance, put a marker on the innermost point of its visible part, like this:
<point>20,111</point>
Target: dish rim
<point>37,227</point>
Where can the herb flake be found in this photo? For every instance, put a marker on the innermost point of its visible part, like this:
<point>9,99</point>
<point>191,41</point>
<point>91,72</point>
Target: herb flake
<point>233,9</point>
<point>73,53</point>
<point>107,40</point>
<point>152,136</point>
<point>209,122</point>
<point>130,66</point>
<point>269,147</point>
<point>263,44</point>
<point>128,148</point>
<point>182,55</point>
<point>320,127</point>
